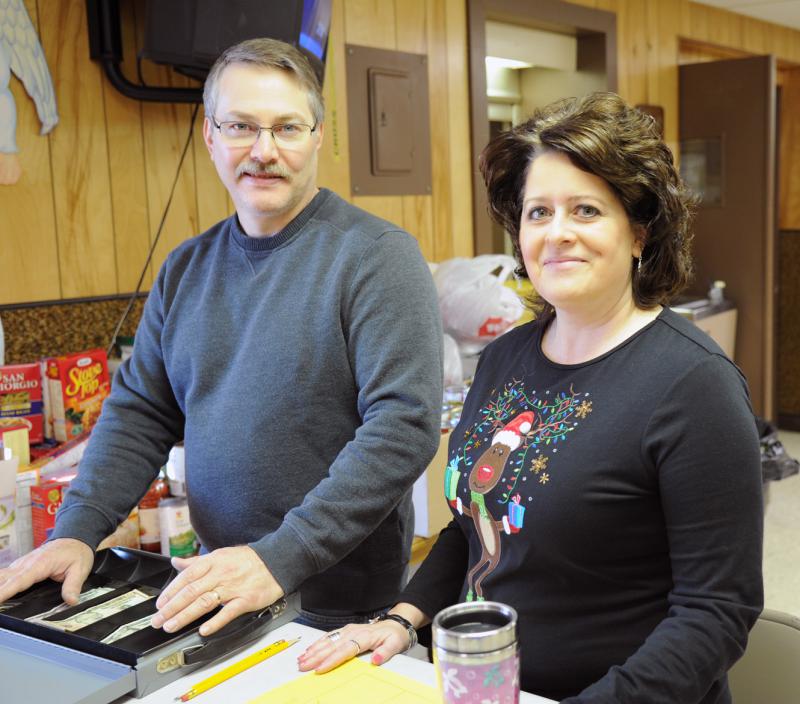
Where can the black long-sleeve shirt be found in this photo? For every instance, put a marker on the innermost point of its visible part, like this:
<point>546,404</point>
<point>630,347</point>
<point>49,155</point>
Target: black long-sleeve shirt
<point>627,510</point>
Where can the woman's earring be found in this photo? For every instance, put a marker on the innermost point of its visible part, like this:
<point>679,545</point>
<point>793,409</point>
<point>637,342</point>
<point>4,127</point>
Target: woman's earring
<point>639,265</point>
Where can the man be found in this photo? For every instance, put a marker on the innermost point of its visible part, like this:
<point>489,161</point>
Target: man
<point>296,348</point>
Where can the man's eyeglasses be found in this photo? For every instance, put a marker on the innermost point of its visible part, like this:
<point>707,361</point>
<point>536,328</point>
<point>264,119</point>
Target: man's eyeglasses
<point>236,133</point>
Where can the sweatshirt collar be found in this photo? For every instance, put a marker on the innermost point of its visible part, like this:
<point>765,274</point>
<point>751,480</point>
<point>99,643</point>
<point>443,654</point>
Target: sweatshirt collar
<point>264,244</point>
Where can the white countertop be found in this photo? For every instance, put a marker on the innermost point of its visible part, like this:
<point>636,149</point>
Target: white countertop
<point>279,669</point>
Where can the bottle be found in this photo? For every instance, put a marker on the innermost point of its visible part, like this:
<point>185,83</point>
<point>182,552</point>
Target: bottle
<point>716,294</point>
<point>475,644</point>
<point>177,535</point>
<point>149,524</point>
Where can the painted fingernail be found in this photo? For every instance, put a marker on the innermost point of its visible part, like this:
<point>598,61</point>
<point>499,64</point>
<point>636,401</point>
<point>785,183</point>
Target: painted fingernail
<point>169,626</point>
<point>377,659</point>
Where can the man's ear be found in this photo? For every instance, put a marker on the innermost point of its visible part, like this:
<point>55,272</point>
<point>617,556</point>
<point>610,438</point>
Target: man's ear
<point>321,133</point>
<point>207,127</point>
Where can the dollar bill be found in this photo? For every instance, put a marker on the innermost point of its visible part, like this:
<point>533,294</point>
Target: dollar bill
<point>128,629</point>
<point>63,606</point>
<point>97,613</point>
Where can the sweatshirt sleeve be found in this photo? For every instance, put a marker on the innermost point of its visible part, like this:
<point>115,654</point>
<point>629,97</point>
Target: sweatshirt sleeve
<point>702,444</point>
<point>139,424</point>
<point>394,337</point>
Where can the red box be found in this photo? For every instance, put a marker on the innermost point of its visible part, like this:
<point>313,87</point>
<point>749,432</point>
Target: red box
<point>45,501</point>
<point>21,398</point>
<point>78,385</point>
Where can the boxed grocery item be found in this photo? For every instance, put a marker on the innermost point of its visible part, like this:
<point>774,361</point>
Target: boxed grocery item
<point>9,549</point>
<point>78,385</point>
<point>21,398</point>
<point>16,438</point>
<point>45,501</point>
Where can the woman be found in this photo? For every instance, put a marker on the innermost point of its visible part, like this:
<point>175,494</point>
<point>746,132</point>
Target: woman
<point>605,477</point>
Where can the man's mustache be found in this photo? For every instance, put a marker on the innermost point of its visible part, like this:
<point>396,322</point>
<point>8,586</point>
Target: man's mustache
<point>254,168</point>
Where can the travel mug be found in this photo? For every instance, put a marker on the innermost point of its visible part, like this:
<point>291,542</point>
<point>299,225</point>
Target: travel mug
<point>476,653</point>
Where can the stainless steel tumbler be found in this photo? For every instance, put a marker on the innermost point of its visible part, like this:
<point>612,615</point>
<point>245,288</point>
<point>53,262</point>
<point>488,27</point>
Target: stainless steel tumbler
<point>476,653</point>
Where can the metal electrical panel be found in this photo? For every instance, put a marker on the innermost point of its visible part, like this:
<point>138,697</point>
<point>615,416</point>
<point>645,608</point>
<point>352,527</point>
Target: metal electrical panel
<point>388,120</point>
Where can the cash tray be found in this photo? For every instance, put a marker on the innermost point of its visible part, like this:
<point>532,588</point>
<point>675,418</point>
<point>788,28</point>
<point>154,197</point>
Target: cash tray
<point>43,664</point>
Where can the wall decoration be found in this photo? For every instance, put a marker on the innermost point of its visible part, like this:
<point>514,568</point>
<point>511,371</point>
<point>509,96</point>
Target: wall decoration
<point>21,53</point>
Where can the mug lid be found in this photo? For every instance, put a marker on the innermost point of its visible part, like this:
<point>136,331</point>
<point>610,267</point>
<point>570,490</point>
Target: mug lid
<point>475,627</point>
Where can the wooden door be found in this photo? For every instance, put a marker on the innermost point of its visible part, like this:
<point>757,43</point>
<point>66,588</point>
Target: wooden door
<point>727,134</point>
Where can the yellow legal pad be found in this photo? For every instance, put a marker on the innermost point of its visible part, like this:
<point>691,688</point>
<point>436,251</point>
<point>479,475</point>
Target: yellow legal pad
<point>352,683</point>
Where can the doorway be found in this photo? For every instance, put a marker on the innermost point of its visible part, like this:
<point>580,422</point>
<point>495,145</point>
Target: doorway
<point>504,23</point>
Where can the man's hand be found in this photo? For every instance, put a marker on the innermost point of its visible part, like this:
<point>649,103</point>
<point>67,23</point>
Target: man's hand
<point>65,560</point>
<point>236,577</point>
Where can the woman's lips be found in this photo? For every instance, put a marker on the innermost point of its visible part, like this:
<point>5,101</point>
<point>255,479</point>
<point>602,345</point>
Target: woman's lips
<point>562,261</point>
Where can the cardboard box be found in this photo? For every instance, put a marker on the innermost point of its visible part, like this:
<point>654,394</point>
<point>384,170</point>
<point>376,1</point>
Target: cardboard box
<point>431,512</point>
<point>21,398</point>
<point>45,501</point>
<point>78,385</point>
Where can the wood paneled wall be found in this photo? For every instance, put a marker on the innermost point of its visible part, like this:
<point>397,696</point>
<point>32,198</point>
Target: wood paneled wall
<point>649,35</point>
<point>82,218</point>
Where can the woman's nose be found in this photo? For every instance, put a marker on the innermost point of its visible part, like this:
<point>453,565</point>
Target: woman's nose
<point>560,228</point>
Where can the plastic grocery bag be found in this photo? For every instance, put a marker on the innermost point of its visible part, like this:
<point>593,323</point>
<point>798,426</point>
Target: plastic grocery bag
<point>453,367</point>
<point>475,305</point>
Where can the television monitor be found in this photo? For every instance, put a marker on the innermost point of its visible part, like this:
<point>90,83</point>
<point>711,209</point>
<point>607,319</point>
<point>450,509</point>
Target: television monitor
<point>190,34</point>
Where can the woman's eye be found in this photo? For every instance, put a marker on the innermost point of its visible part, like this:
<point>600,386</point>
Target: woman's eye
<point>587,211</point>
<point>537,213</point>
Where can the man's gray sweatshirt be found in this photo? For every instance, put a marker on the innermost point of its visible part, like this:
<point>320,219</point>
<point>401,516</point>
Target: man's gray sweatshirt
<point>304,373</point>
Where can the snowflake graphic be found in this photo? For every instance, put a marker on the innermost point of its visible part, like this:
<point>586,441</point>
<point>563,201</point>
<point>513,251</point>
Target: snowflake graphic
<point>451,683</point>
<point>584,409</point>
<point>544,477</point>
<point>539,464</point>
<point>493,677</point>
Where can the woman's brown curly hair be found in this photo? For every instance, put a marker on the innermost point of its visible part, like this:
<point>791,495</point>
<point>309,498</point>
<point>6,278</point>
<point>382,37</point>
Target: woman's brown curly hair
<point>604,136</point>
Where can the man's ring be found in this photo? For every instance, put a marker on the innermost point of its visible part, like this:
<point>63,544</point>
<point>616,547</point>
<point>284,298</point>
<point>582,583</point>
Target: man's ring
<point>333,636</point>
<point>217,597</point>
<point>358,647</point>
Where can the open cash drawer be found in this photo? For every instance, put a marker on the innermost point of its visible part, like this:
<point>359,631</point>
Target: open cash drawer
<point>102,648</point>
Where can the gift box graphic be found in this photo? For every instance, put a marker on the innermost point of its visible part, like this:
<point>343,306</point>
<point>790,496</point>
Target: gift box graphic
<point>516,514</point>
<point>451,477</point>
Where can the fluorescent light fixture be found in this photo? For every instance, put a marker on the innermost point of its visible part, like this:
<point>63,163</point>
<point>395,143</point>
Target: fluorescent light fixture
<point>495,62</point>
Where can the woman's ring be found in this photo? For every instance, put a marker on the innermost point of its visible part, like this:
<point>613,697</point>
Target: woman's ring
<point>217,597</point>
<point>333,636</point>
<point>358,647</point>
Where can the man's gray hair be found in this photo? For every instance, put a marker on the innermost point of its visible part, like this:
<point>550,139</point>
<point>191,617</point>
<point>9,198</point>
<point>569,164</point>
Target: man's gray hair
<point>266,53</point>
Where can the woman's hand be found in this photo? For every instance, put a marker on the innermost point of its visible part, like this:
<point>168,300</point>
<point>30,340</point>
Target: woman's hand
<point>384,638</point>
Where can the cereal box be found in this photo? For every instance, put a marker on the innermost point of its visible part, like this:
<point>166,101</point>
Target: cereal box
<point>78,384</point>
<point>21,398</point>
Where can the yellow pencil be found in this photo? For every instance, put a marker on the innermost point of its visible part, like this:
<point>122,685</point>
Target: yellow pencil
<point>236,668</point>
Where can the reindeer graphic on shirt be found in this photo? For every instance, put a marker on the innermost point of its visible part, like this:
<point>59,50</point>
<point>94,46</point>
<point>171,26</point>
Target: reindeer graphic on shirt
<point>524,429</point>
